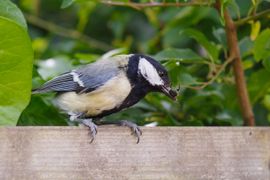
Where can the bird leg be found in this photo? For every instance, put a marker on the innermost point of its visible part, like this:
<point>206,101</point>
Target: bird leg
<point>136,131</point>
<point>79,118</point>
<point>75,116</point>
<point>92,127</point>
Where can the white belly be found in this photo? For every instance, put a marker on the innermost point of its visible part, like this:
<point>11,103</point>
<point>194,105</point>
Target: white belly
<point>107,97</point>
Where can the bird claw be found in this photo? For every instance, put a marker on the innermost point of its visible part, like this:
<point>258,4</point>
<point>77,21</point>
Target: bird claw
<point>135,130</point>
<point>92,127</point>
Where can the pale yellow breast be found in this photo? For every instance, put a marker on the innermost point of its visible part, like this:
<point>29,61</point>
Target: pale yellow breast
<point>107,97</point>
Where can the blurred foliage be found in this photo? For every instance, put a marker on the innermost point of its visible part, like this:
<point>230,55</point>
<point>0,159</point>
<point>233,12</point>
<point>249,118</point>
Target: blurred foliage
<point>189,41</point>
<point>16,57</point>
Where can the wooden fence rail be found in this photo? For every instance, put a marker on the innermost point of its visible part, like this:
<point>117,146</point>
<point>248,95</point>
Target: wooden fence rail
<point>163,153</point>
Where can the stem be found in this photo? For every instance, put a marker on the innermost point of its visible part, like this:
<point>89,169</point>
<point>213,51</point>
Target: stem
<point>155,4</point>
<point>221,69</point>
<point>241,86</point>
<point>202,85</point>
<point>256,16</point>
<point>69,33</point>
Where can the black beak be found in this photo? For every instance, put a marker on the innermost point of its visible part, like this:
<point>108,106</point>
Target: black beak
<point>169,92</point>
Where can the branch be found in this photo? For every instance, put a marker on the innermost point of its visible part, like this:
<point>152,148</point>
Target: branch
<point>221,69</point>
<point>240,81</point>
<point>136,5</point>
<point>68,33</point>
<point>256,16</point>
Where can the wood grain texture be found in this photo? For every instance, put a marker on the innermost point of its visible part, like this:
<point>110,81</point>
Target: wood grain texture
<point>163,153</point>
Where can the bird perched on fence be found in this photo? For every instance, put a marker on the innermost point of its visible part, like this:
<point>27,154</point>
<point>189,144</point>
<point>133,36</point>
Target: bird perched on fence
<point>108,86</point>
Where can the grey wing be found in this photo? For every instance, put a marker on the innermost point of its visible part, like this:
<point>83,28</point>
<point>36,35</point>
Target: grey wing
<point>92,77</point>
<point>82,80</point>
<point>62,83</point>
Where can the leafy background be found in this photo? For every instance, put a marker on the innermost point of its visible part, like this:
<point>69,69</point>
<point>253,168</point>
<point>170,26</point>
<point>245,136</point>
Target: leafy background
<point>16,57</point>
<point>189,41</point>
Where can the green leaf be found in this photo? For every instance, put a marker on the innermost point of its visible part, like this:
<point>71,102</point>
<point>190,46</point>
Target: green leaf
<point>266,101</point>
<point>180,74</point>
<point>187,79</point>
<point>220,35</point>
<point>12,12</point>
<point>67,3</point>
<point>266,63</point>
<point>262,45</point>
<point>258,85</point>
<point>233,6</point>
<point>15,70</point>
<point>246,47</point>
<point>182,55</point>
<point>41,113</point>
<point>86,57</point>
<point>211,48</point>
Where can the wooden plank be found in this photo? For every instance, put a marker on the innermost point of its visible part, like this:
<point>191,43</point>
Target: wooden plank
<point>163,153</point>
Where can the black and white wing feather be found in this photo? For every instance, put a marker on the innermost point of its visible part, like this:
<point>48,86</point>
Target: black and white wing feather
<point>62,83</point>
<point>82,80</point>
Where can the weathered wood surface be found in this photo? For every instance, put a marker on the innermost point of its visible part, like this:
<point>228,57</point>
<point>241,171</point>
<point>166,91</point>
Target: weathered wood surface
<point>163,153</point>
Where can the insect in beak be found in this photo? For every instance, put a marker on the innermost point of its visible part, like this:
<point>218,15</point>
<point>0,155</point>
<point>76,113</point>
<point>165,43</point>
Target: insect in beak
<point>168,91</point>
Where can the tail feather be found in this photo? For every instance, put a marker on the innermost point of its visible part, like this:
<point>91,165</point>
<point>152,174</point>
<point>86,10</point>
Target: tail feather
<point>40,91</point>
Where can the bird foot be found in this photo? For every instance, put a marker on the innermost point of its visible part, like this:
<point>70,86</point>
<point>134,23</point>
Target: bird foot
<point>92,127</point>
<point>135,130</point>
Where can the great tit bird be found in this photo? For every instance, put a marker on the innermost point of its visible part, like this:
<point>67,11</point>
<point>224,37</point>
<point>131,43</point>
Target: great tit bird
<point>108,86</point>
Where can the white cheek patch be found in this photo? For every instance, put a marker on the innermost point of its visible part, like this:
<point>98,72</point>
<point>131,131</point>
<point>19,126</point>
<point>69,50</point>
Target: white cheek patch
<point>149,72</point>
<point>76,78</point>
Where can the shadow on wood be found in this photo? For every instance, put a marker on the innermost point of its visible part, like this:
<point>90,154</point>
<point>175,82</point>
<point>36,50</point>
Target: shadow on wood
<point>163,153</point>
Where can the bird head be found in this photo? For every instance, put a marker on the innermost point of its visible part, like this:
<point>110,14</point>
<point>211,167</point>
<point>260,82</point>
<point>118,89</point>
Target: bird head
<point>154,75</point>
